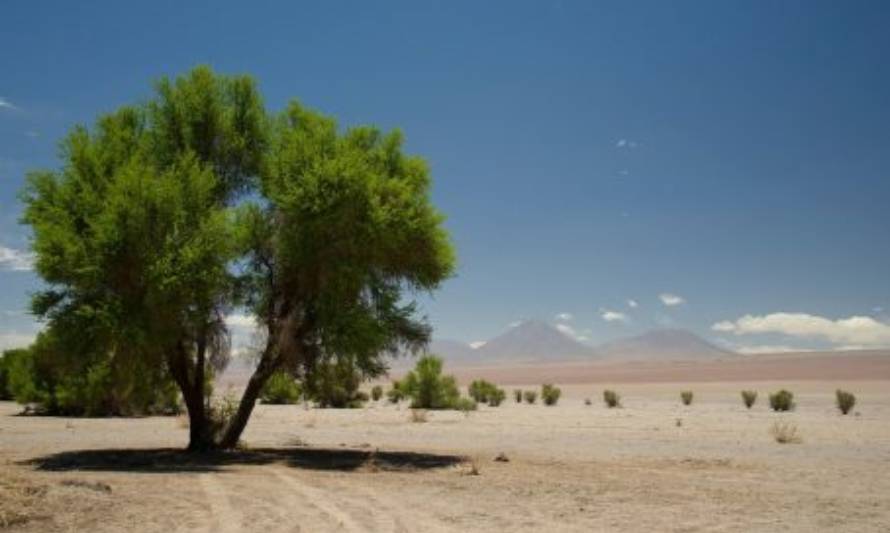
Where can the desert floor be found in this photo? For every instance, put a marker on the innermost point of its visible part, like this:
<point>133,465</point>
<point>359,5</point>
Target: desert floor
<point>653,465</point>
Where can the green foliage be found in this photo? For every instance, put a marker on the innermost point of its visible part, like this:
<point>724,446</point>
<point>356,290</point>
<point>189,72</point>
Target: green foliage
<point>845,401</point>
<point>611,398</point>
<point>782,400</point>
<point>9,362</point>
<point>749,397</point>
<point>281,389</point>
<point>336,384</point>
<point>550,394</point>
<point>485,392</point>
<point>686,397</point>
<point>530,396</point>
<point>496,397</point>
<point>376,392</point>
<point>428,388</point>
<point>517,395</point>
<point>395,394</point>
<point>465,405</point>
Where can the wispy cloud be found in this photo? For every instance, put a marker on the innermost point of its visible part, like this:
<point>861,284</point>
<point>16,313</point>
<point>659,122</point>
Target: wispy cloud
<point>614,316</point>
<point>671,300</point>
<point>860,331</point>
<point>16,260</point>
<point>570,331</point>
<point>626,143</point>
<point>565,317</point>
<point>4,103</point>
<point>632,304</point>
<point>478,344</point>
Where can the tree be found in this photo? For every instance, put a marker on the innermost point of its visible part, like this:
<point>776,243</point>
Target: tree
<point>428,388</point>
<point>147,239</point>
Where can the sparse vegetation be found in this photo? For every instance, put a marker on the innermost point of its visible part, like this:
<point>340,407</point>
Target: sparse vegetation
<point>611,398</point>
<point>496,397</point>
<point>376,392</point>
<point>517,395</point>
<point>749,397</point>
<point>845,401</point>
<point>530,396</point>
<point>466,405</point>
<point>418,416</point>
<point>429,389</point>
<point>782,400</point>
<point>336,383</point>
<point>395,394</point>
<point>587,401</point>
<point>550,394</point>
<point>785,433</point>
<point>281,389</point>
<point>686,397</point>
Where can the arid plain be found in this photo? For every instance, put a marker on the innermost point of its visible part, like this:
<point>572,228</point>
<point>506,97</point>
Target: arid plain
<point>653,464</point>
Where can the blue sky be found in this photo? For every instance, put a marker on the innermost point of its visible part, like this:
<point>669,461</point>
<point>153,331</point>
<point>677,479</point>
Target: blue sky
<point>733,154</point>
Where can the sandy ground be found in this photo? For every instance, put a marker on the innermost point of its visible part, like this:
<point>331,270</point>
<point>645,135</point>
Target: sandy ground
<point>653,465</point>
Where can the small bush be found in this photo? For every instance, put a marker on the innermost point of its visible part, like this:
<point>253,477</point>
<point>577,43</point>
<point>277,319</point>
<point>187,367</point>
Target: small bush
<point>465,405</point>
<point>550,394</point>
<point>530,396</point>
<point>686,397</point>
<point>587,401</point>
<point>376,392</point>
<point>845,401</point>
<point>782,401</point>
<point>517,395</point>
<point>749,397</point>
<point>395,394</point>
<point>418,416</point>
<point>496,397</point>
<point>281,389</point>
<point>785,433</point>
<point>611,398</point>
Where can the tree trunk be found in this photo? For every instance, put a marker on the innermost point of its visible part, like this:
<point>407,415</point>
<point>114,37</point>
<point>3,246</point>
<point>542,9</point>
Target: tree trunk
<point>238,422</point>
<point>200,438</point>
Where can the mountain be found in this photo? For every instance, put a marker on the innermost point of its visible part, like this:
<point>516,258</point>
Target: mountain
<point>533,340</point>
<point>661,345</point>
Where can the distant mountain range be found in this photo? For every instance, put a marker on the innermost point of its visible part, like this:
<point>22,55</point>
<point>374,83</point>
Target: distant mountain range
<point>538,341</point>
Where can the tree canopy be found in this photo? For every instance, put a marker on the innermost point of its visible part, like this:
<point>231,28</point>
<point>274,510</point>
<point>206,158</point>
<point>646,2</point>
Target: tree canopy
<point>167,215</point>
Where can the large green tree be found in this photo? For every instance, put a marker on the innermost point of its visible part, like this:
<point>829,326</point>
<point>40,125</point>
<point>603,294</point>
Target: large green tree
<point>167,215</point>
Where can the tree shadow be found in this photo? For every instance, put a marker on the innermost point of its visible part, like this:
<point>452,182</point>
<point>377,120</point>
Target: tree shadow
<point>171,460</point>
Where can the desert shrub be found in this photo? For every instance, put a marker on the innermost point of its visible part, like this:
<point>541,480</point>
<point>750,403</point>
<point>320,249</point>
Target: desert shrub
<point>335,384</point>
<point>219,412</point>
<point>395,394</point>
<point>530,396</point>
<point>428,388</point>
<point>517,395</point>
<point>686,397</point>
<point>785,433</point>
<point>587,401</point>
<point>550,394</point>
<point>749,397</point>
<point>496,397</point>
<point>480,390</point>
<point>782,400</point>
<point>418,416</point>
<point>611,398</point>
<point>7,360</point>
<point>376,392</point>
<point>465,405</point>
<point>281,389</point>
<point>845,401</point>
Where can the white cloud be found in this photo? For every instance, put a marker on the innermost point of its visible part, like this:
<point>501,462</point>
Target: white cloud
<point>767,348</point>
<point>565,317</point>
<point>514,324</point>
<point>17,260</point>
<point>852,331</point>
<point>671,300</point>
<point>614,316</point>
<point>14,339</point>
<point>477,344</point>
<point>565,329</point>
<point>626,143</point>
<point>632,304</point>
<point>6,103</point>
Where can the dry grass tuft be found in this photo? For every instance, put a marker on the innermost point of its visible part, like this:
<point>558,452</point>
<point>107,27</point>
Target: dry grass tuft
<point>785,433</point>
<point>418,416</point>
<point>21,500</point>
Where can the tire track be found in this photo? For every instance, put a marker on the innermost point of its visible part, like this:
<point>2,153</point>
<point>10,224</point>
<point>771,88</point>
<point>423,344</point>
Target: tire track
<point>223,517</point>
